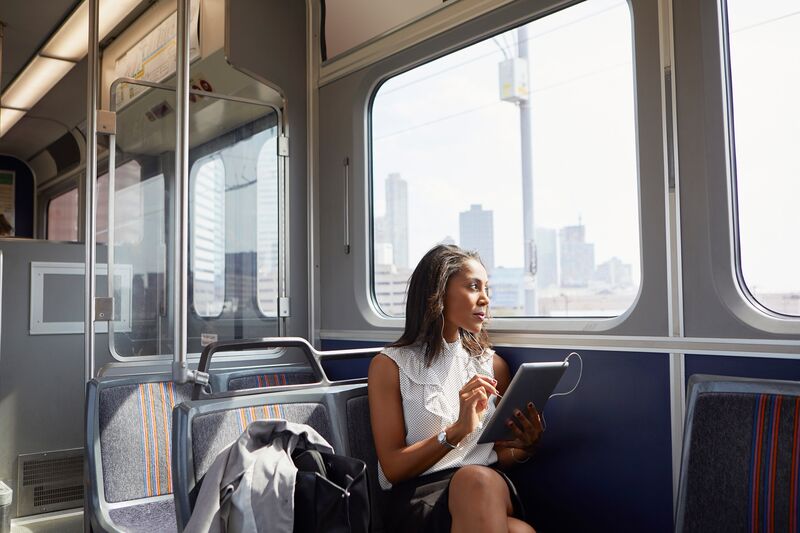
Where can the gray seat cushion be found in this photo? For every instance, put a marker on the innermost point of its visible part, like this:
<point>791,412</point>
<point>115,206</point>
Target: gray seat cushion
<point>146,518</point>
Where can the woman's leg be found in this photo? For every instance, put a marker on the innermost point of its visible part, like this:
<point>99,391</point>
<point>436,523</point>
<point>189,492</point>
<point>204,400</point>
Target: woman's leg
<point>515,525</point>
<point>479,501</point>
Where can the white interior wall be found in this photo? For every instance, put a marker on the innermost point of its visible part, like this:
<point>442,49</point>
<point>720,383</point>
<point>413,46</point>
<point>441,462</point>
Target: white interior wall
<point>349,23</point>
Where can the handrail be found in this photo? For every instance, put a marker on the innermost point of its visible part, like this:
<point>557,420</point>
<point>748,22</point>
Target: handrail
<point>314,358</point>
<point>90,184</point>
<point>180,292</point>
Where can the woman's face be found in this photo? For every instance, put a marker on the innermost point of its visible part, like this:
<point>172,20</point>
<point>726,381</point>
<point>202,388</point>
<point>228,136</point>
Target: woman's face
<point>466,300</point>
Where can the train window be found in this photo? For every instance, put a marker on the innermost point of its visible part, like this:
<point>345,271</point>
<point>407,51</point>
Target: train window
<point>208,236</point>
<point>128,205</point>
<point>267,226</point>
<point>62,217</point>
<point>763,81</point>
<point>522,147</point>
<point>232,188</point>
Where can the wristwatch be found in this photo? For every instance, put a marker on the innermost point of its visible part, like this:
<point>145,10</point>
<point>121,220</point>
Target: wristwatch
<point>442,438</point>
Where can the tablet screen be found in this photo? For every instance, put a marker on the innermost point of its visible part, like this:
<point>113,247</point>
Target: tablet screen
<point>533,382</point>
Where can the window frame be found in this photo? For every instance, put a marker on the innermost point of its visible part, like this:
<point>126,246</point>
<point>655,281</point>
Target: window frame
<point>644,135</point>
<point>706,123</point>
<point>730,138</point>
<point>278,197</point>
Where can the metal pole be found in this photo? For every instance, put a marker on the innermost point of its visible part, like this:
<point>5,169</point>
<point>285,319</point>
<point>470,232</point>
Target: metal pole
<point>92,76</point>
<point>526,149</point>
<point>90,204</point>
<point>180,372</point>
<point>110,200</point>
<point>2,38</point>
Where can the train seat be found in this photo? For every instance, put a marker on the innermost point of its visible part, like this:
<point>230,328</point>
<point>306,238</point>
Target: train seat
<point>741,451</point>
<point>201,429</point>
<point>128,432</point>
<point>128,445</point>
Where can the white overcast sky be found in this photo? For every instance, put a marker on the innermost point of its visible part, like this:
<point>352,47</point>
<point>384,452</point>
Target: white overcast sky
<point>765,71</point>
<point>443,127</point>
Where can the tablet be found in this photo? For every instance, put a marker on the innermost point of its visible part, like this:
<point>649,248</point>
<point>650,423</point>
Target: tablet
<point>533,382</point>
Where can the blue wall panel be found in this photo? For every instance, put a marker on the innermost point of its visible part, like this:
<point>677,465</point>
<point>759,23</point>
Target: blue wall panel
<point>605,461</point>
<point>350,368</point>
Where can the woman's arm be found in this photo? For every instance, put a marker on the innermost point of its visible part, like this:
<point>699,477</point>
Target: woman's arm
<point>398,461</point>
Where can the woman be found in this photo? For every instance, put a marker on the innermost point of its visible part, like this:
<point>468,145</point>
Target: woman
<point>428,395</point>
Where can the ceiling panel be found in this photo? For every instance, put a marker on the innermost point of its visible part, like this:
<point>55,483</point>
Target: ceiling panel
<point>28,24</point>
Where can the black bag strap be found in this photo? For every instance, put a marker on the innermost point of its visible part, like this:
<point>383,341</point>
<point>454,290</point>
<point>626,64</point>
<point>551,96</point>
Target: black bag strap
<point>311,461</point>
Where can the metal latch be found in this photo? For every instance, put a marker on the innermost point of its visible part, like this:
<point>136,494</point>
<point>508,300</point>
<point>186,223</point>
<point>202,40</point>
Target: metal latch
<point>283,146</point>
<point>103,309</point>
<point>283,306</point>
<point>106,122</point>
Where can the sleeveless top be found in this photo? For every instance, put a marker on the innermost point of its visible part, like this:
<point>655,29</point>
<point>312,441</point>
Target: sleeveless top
<point>431,402</point>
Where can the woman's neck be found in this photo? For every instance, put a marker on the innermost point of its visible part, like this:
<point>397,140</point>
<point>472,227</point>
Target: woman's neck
<point>450,333</point>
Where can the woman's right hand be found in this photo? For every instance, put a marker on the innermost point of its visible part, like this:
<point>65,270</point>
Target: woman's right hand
<point>473,401</point>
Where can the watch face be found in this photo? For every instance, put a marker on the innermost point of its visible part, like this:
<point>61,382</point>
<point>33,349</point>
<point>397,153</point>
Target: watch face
<point>442,437</point>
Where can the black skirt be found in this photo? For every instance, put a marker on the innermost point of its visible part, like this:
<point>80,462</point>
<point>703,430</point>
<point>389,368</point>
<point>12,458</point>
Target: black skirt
<point>421,504</point>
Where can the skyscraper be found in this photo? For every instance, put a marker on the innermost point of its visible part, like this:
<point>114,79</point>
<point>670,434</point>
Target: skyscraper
<point>546,258</point>
<point>396,221</point>
<point>577,256</point>
<point>476,232</point>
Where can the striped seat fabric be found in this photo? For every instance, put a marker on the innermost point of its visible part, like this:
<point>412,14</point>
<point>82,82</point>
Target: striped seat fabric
<point>135,438</point>
<point>742,473</point>
<point>260,381</point>
<point>214,431</point>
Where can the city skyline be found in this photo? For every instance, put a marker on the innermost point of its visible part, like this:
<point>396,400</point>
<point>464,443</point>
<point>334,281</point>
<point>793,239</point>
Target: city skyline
<point>567,273</point>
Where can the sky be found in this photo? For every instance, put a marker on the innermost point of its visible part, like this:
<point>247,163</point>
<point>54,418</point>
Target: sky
<point>443,127</point>
<point>765,78</point>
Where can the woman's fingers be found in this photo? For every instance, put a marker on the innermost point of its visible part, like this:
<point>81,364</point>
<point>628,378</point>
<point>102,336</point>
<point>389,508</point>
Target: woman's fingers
<point>535,417</point>
<point>526,424</point>
<point>481,381</point>
<point>518,433</point>
<point>478,399</point>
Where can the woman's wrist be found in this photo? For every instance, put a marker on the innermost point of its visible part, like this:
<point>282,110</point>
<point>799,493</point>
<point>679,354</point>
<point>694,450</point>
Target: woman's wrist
<point>520,455</point>
<point>455,433</point>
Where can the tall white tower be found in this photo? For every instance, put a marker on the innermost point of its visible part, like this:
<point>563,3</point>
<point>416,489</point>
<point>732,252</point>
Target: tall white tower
<point>397,218</point>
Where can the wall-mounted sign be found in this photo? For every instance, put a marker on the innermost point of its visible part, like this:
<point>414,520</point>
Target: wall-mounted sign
<point>154,58</point>
<point>7,178</point>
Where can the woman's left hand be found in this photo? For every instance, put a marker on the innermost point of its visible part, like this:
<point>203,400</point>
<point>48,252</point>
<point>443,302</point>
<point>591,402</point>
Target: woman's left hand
<point>527,430</point>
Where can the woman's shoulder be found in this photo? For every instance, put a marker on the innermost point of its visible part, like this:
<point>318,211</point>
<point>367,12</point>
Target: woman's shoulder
<point>398,353</point>
<point>411,362</point>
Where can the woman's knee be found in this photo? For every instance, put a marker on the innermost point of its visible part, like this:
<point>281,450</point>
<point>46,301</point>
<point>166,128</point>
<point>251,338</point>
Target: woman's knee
<point>518,526</point>
<point>477,481</point>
